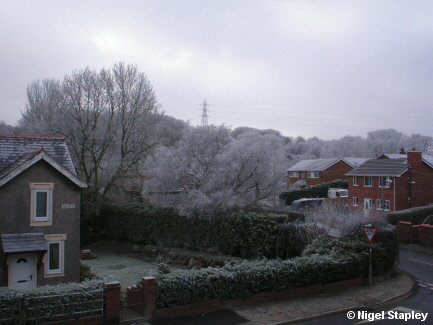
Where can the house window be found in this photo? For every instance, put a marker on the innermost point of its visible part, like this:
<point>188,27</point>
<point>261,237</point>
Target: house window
<point>367,181</point>
<point>313,174</point>
<point>355,181</point>
<point>384,182</point>
<point>41,204</point>
<point>355,201</point>
<point>42,201</point>
<point>294,174</point>
<point>54,259</point>
<point>383,205</point>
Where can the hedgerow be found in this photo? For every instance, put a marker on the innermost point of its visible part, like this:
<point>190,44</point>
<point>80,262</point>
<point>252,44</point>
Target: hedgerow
<point>238,234</point>
<point>320,190</point>
<point>51,303</point>
<point>324,261</point>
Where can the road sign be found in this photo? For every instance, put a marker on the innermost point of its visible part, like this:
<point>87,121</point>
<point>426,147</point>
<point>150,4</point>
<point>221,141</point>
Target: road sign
<point>370,233</point>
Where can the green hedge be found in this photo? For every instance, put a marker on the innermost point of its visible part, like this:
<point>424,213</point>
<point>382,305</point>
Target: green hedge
<point>324,261</point>
<point>416,215</point>
<point>320,190</point>
<point>238,234</point>
<point>51,303</point>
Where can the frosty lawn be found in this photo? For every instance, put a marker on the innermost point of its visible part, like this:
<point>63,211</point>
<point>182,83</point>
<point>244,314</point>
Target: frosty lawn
<point>127,270</point>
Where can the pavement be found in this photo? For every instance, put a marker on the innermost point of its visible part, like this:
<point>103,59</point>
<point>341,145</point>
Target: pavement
<point>302,309</point>
<point>418,262</point>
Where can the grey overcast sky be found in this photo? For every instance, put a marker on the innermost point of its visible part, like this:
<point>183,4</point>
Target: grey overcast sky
<point>310,68</point>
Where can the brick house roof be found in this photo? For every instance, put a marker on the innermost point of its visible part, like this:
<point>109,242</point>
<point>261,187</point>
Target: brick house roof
<point>317,165</point>
<point>380,167</point>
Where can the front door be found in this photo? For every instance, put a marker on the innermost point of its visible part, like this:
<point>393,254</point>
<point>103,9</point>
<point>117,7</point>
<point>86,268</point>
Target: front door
<point>368,205</point>
<point>22,271</point>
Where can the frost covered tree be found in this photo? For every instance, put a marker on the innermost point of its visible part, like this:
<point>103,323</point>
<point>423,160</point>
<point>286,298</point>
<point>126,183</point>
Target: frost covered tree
<point>108,119</point>
<point>217,172</point>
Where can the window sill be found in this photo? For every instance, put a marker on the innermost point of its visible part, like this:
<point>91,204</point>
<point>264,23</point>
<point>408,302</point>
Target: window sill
<point>37,223</point>
<point>54,275</point>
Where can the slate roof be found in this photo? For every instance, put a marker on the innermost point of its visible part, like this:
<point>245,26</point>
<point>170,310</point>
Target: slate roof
<point>26,242</point>
<point>380,167</point>
<point>428,160</point>
<point>317,165</point>
<point>313,165</point>
<point>13,147</point>
<point>394,156</point>
<point>355,162</point>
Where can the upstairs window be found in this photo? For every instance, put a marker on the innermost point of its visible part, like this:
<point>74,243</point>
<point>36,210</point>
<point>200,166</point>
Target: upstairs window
<point>384,182</point>
<point>367,181</point>
<point>313,174</point>
<point>294,174</point>
<point>355,181</point>
<point>41,204</point>
<point>42,200</point>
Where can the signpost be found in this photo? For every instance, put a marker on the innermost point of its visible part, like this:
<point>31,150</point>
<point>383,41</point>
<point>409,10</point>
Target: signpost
<point>370,232</point>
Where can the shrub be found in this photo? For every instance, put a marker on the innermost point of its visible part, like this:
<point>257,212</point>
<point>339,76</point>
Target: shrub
<point>51,303</point>
<point>320,190</point>
<point>86,273</point>
<point>415,215</point>
<point>239,234</point>
<point>324,261</point>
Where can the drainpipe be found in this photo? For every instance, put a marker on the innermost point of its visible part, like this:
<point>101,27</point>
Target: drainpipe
<point>394,194</point>
<point>410,185</point>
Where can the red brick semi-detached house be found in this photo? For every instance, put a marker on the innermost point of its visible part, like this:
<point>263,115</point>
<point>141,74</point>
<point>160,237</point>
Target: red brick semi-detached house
<point>315,171</point>
<point>406,182</point>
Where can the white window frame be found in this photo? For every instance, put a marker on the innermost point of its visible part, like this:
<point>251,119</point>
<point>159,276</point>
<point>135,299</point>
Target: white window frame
<point>34,189</point>
<point>378,204</point>
<point>59,270</point>
<point>60,239</point>
<point>355,201</point>
<point>387,179</point>
<point>294,174</point>
<point>48,209</point>
<point>387,205</point>
<point>313,174</point>
<point>371,181</point>
<point>357,181</point>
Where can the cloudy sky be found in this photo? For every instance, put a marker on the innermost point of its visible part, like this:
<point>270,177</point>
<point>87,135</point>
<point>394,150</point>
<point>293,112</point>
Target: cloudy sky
<point>311,68</point>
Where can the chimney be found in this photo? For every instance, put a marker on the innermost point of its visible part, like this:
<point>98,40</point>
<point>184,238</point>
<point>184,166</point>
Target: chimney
<point>402,152</point>
<point>414,156</point>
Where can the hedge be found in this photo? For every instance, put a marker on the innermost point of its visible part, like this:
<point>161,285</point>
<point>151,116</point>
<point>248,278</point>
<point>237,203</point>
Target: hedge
<point>243,280</point>
<point>51,303</point>
<point>238,234</point>
<point>326,260</point>
<point>415,215</point>
<point>320,190</point>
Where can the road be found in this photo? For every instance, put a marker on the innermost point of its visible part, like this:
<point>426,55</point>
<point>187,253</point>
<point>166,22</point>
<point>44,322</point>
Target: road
<point>419,265</point>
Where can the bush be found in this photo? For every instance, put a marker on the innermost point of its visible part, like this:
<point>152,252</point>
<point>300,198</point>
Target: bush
<point>51,303</point>
<point>320,190</point>
<point>324,261</point>
<point>238,234</point>
<point>415,215</point>
<point>86,273</point>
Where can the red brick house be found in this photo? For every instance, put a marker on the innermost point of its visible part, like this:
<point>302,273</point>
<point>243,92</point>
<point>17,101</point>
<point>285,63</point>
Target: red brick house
<point>315,171</point>
<point>402,182</point>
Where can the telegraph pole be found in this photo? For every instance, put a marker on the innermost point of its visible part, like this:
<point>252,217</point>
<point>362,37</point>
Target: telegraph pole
<point>204,116</point>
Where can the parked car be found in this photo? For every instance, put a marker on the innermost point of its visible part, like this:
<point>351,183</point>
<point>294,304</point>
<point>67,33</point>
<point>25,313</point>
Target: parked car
<point>307,203</point>
<point>337,192</point>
